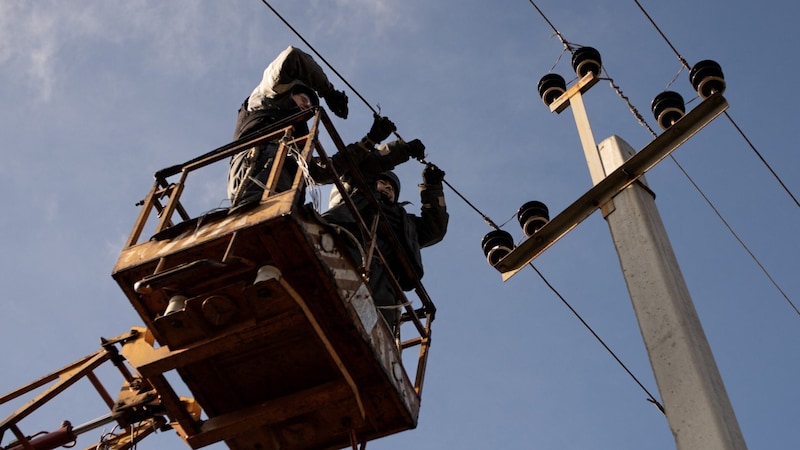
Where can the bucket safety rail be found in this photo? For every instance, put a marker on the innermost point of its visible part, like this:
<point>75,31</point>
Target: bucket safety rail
<point>164,201</point>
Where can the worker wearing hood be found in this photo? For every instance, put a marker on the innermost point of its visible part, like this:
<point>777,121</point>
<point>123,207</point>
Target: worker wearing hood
<point>413,232</point>
<point>291,83</point>
<point>292,73</point>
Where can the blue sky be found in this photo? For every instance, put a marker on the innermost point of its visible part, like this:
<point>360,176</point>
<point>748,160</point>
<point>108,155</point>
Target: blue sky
<point>98,95</point>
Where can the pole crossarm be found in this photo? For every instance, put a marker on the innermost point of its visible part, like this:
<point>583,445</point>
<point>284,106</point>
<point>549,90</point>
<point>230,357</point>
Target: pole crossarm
<point>611,185</point>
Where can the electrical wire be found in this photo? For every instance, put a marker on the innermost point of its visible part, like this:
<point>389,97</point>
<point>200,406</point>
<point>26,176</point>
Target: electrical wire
<point>727,225</point>
<point>571,47</point>
<point>568,47</point>
<point>736,236</point>
<point>486,218</point>
<point>738,129</point>
<point>650,396</point>
<point>564,42</point>
<point>322,58</point>
<point>368,105</point>
<point>631,107</point>
<point>685,65</point>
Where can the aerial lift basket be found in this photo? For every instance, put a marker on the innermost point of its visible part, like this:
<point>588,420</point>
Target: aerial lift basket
<point>264,317</point>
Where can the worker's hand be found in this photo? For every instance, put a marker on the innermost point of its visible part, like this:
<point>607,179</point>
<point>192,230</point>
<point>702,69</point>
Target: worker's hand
<point>381,128</point>
<point>432,174</point>
<point>416,149</point>
<point>337,102</point>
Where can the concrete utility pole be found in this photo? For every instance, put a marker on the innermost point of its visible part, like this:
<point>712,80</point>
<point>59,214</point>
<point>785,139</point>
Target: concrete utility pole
<point>697,407</point>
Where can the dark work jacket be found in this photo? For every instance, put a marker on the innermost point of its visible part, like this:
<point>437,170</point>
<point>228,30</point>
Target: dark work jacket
<point>369,160</point>
<point>413,232</point>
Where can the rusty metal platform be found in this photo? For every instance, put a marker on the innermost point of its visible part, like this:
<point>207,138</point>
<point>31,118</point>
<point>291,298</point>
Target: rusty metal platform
<point>299,358</point>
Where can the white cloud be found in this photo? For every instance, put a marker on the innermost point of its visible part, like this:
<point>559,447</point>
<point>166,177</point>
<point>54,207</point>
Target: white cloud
<point>27,45</point>
<point>36,38</point>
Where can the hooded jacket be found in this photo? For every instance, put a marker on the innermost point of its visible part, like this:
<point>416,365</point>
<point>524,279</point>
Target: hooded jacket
<point>413,232</point>
<point>271,101</point>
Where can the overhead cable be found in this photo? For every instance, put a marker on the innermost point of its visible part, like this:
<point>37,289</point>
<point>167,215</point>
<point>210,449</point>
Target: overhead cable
<point>650,396</point>
<point>570,47</point>
<point>364,100</point>
<point>738,129</point>
<point>750,144</point>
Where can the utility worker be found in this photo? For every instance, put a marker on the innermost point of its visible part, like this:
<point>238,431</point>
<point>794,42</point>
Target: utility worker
<point>413,232</point>
<point>290,84</point>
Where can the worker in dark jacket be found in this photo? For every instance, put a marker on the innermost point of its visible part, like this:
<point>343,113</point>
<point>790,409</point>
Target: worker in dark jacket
<point>290,84</point>
<point>413,232</point>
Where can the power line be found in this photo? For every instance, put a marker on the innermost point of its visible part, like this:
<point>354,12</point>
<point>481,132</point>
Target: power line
<point>749,143</point>
<point>738,129</point>
<point>322,58</point>
<point>567,45</point>
<point>736,236</point>
<point>761,158</point>
<point>570,47</point>
<point>650,396</point>
<point>364,100</point>
<point>488,220</point>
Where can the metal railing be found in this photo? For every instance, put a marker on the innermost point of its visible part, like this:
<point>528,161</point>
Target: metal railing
<point>164,199</point>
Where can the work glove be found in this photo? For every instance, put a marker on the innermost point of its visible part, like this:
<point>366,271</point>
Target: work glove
<point>337,102</point>
<point>381,128</point>
<point>432,174</point>
<point>416,149</point>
